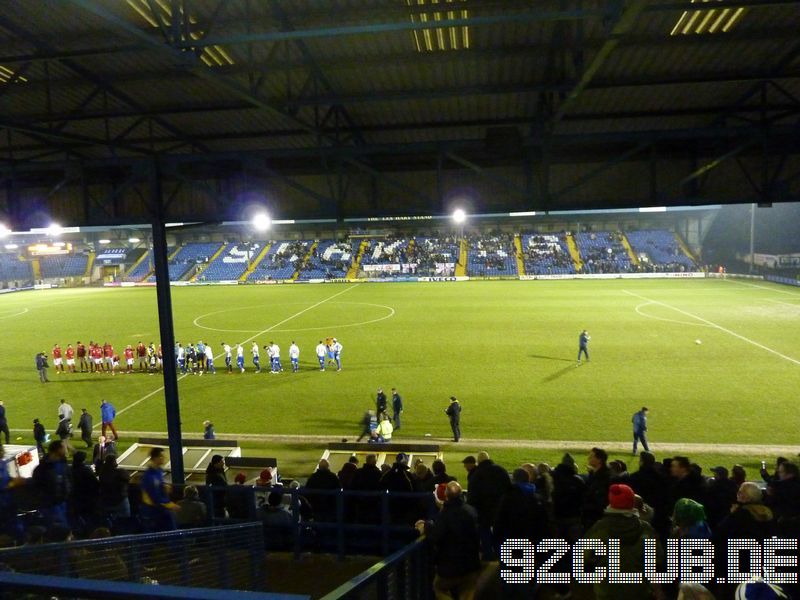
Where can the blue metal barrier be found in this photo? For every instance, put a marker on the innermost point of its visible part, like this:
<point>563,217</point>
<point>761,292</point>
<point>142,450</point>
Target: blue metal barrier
<point>230,557</point>
<point>17,584</point>
<point>356,522</point>
<point>408,573</point>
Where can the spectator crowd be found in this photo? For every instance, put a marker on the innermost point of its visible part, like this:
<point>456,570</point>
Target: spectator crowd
<point>467,516</point>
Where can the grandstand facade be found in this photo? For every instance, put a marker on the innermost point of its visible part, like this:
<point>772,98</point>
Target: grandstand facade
<point>516,250</point>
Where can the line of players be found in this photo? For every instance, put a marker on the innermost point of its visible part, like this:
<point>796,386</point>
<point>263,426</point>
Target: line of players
<point>192,359</point>
<point>96,358</point>
<point>199,359</point>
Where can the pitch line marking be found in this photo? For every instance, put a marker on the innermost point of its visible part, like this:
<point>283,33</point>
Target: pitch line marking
<point>784,303</point>
<point>328,327</point>
<point>720,327</point>
<point>763,287</point>
<point>268,329</point>
<point>16,314</point>
<point>644,314</point>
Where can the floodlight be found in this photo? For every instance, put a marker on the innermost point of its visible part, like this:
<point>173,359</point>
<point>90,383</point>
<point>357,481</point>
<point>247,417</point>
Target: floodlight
<point>4,231</point>
<point>104,241</point>
<point>134,240</point>
<point>261,221</point>
<point>54,229</point>
<point>459,216</point>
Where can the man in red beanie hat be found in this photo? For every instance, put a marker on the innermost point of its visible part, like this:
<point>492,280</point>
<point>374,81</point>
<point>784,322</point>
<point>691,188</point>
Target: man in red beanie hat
<point>621,522</point>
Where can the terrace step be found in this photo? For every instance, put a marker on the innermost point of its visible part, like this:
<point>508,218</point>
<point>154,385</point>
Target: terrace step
<point>520,260</point>
<point>574,252</point>
<point>627,245</point>
<point>203,267</point>
<point>141,259</point>
<point>259,257</point>
<point>352,272</point>
<point>461,265</point>
<point>37,268</point>
<point>685,247</point>
<point>89,265</point>
<point>313,247</point>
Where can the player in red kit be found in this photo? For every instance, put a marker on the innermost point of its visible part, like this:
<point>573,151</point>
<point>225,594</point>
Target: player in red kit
<point>97,358</point>
<point>129,359</point>
<point>81,352</point>
<point>69,354</point>
<point>141,352</point>
<point>57,360</point>
<point>108,354</point>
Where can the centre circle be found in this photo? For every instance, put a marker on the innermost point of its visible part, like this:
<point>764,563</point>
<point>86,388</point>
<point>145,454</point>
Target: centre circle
<point>388,310</point>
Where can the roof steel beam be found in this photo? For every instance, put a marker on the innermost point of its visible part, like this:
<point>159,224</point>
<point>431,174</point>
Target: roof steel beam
<point>404,58</point>
<point>68,137</point>
<point>622,25</point>
<point>528,16</point>
<point>316,71</point>
<point>84,73</point>
<point>231,86</point>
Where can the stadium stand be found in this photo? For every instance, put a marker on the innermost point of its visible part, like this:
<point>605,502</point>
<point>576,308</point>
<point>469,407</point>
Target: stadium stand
<point>231,263</point>
<point>67,265</point>
<point>435,256</point>
<point>280,261</point>
<point>14,270</point>
<point>386,252</point>
<point>603,252</point>
<point>140,270</point>
<point>491,256</point>
<point>547,254</point>
<point>187,257</point>
<point>386,257</point>
<point>661,250</point>
<point>329,260</point>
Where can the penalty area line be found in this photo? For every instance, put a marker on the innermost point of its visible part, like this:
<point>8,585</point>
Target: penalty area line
<point>715,326</point>
<point>267,330</point>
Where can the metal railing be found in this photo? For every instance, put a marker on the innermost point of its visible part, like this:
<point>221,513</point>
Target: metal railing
<point>44,587</point>
<point>406,574</point>
<point>345,521</point>
<point>228,557</point>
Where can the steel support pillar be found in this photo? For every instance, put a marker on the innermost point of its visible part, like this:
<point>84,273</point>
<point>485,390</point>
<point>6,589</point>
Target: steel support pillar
<point>165,325</point>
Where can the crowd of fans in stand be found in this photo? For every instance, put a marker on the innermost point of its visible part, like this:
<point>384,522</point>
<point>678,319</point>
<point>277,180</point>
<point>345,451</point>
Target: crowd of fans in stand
<point>492,250</point>
<point>427,253</point>
<point>661,500</point>
<point>337,264</point>
<point>613,259</point>
<point>547,245</point>
<point>288,255</point>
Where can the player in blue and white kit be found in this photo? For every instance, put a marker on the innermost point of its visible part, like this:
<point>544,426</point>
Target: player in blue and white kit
<point>228,360</point>
<point>181,354</point>
<point>209,353</point>
<point>294,355</point>
<point>240,357</point>
<point>337,354</point>
<point>276,357</point>
<point>322,351</point>
<point>256,357</point>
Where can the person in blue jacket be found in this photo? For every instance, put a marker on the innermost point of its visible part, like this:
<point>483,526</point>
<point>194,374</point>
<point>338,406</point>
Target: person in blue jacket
<point>639,421</point>
<point>157,510</point>
<point>583,345</point>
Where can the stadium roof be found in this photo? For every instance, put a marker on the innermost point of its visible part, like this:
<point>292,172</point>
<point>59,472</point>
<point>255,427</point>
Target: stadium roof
<point>561,91</point>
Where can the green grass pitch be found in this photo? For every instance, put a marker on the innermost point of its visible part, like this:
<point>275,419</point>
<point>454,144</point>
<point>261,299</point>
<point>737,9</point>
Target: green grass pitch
<point>507,349</point>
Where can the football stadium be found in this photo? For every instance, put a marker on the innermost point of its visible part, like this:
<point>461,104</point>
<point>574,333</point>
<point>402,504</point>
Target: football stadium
<point>449,299</point>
